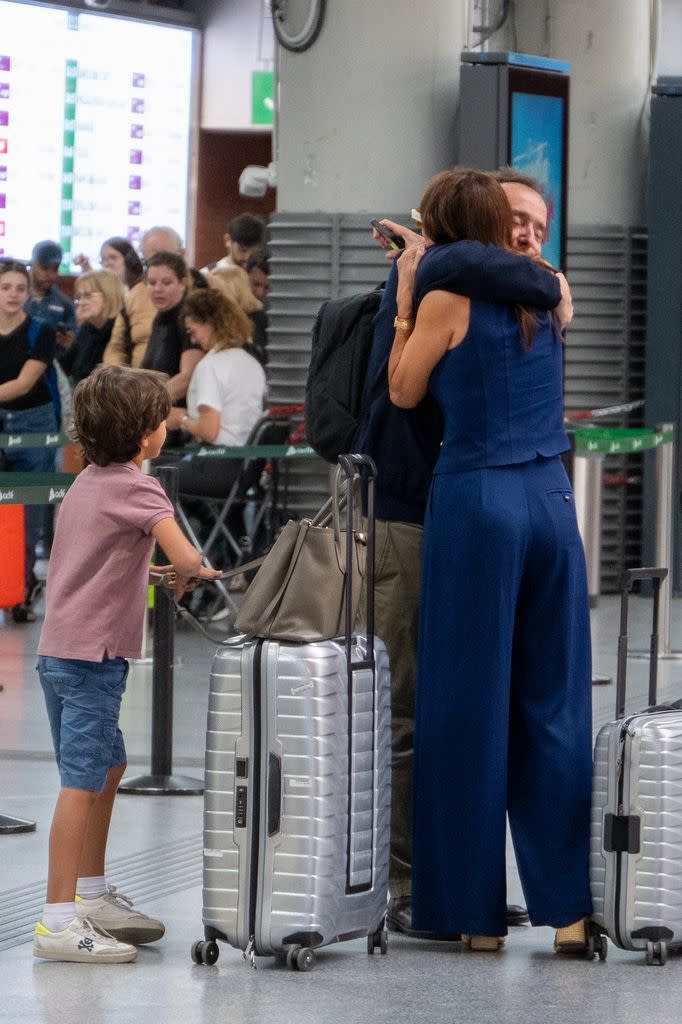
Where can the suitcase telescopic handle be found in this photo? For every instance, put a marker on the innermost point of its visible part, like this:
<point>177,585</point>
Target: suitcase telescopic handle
<point>629,578</point>
<point>352,464</point>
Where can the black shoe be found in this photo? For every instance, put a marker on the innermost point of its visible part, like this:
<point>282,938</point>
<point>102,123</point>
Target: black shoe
<point>516,915</point>
<point>23,613</point>
<point>399,919</point>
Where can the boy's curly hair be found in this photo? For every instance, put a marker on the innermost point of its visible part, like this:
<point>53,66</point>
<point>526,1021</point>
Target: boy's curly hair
<point>114,408</point>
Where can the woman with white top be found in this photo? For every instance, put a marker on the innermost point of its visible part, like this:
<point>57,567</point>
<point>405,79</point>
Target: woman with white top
<point>226,394</point>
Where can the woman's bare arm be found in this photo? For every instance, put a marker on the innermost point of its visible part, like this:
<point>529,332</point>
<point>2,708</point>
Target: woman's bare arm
<point>29,375</point>
<point>442,323</point>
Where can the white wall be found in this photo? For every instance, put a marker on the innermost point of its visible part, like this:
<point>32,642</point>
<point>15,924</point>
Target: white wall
<point>670,42</point>
<point>367,114</point>
<point>238,39</point>
<point>607,43</point>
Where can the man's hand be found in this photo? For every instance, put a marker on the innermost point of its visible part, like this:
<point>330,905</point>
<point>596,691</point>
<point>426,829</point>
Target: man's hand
<point>410,237</point>
<point>65,339</point>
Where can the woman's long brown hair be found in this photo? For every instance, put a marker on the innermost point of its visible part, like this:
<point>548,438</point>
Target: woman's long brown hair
<point>463,204</point>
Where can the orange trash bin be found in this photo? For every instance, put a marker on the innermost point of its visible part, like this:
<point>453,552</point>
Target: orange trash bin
<point>12,554</point>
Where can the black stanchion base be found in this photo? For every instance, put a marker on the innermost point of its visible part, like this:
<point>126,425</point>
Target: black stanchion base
<point>162,785</point>
<point>10,826</point>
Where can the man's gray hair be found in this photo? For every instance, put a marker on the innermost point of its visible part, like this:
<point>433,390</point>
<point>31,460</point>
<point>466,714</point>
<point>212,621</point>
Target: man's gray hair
<point>158,228</point>
<point>510,176</point>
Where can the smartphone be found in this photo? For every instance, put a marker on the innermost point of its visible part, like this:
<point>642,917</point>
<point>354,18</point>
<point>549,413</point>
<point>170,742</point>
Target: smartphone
<point>395,241</point>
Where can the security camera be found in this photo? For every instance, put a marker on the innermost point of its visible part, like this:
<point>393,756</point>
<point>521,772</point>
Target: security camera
<point>254,181</point>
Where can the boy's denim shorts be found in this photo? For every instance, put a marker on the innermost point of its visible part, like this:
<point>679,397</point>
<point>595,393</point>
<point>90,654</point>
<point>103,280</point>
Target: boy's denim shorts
<point>83,701</point>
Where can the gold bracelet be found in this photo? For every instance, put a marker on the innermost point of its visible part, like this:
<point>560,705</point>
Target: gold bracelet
<point>403,324</point>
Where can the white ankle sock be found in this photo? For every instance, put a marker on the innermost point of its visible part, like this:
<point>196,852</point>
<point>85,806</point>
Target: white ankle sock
<point>58,916</point>
<point>92,887</point>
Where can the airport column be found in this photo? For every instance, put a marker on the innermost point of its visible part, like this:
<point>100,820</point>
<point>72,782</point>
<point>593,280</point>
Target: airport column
<point>367,113</point>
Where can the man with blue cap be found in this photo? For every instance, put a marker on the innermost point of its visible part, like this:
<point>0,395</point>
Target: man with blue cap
<point>47,301</point>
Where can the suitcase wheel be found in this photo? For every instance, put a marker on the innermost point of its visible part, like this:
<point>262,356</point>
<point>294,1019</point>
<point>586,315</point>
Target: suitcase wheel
<point>378,940</point>
<point>300,958</point>
<point>597,945</point>
<point>656,953</point>
<point>205,952</point>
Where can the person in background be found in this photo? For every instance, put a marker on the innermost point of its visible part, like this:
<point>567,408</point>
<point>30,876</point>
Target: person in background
<point>46,301</point>
<point>170,349</point>
<point>504,633</point>
<point>227,392</point>
<point>99,298</point>
<point>225,400</point>
<point>133,326</point>
<point>97,584</point>
<point>25,402</point>
<point>244,234</point>
<point>117,256</point>
<point>233,282</point>
<point>258,269</point>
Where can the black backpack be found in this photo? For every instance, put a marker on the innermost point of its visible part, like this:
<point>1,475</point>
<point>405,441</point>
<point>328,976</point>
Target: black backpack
<point>341,345</point>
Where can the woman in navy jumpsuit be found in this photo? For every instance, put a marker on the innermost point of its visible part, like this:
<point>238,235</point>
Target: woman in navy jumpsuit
<point>503,717</point>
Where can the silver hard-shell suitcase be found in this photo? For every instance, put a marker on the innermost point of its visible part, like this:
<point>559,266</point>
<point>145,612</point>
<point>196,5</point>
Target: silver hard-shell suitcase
<point>297,793</point>
<point>636,839</point>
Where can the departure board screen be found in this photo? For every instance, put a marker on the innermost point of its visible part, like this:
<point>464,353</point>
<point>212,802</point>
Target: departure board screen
<point>95,128</point>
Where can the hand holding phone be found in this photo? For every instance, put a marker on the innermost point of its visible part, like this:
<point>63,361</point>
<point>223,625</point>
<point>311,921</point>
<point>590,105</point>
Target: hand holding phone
<point>395,241</point>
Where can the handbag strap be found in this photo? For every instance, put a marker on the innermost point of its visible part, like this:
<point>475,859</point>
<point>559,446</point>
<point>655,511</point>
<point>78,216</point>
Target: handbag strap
<point>166,578</point>
<point>226,641</point>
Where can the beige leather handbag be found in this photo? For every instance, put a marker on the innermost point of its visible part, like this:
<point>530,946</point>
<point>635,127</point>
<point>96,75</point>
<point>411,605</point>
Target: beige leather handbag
<point>298,594</point>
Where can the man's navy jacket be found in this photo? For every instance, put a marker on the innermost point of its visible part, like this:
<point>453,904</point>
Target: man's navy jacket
<point>404,443</point>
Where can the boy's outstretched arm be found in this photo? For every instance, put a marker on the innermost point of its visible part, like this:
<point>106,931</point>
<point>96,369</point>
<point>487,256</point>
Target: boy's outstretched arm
<point>185,558</point>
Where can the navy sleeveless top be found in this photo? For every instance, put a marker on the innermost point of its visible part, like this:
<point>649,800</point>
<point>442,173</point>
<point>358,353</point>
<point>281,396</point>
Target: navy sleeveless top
<point>502,403</point>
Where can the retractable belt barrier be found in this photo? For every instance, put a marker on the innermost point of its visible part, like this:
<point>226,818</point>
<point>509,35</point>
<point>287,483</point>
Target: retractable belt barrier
<point>34,440</point>
<point>49,488</point>
<point>247,451</point>
<point>617,440</point>
<point>34,488</point>
<point>591,445</point>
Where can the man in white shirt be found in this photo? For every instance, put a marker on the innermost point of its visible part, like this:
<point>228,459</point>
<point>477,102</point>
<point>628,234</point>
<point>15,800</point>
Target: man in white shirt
<point>244,235</point>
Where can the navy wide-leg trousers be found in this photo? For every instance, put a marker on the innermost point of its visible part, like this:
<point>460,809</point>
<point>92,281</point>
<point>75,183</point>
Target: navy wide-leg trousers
<point>503,716</point>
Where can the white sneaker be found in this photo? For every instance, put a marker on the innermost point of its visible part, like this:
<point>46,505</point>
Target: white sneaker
<point>116,914</point>
<point>81,943</point>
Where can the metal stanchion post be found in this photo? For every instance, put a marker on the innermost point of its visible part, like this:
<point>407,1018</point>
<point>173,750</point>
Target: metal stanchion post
<point>588,473</point>
<point>161,780</point>
<point>663,542</point>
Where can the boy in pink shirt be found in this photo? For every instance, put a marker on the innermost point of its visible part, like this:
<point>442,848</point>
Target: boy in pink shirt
<point>96,593</point>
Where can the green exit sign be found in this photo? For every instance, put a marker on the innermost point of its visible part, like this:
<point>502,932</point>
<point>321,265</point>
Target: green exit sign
<point>262,97</point>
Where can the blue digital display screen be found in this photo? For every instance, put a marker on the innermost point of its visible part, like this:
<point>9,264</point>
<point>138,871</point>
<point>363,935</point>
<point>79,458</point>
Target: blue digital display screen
<point>537,149</point>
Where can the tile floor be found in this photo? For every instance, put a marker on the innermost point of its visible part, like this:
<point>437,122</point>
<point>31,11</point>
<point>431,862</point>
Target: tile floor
<point>155,854</point>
